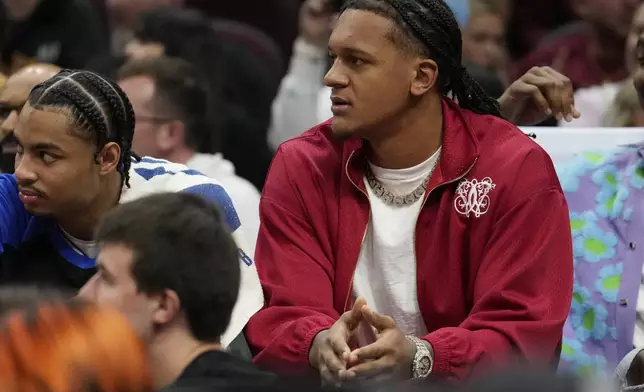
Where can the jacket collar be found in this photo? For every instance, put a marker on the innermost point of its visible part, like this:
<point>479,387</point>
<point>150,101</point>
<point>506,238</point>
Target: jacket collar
<point>459,152</point>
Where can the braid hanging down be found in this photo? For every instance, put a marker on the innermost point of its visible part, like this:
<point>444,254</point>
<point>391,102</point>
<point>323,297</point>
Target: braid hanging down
<point>430,28</point>
<point>99,108</point>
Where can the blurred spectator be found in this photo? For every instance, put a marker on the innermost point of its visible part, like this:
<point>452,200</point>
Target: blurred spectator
<point>72,348</point>
<point>530,21</point>
<point>241,88</point>
<point>625,110</point>
<point>13,96</point>
<point>484,36</point>
<point>189,34</point>
<point>169,263</point>
<point>173,119</point>
<point>295,108</point>
<point>594,54</point>
<point>594,101</point>
<point>68,33</point>
<point>489,80</point>
<point>276,18</point>
<point>461,10</point>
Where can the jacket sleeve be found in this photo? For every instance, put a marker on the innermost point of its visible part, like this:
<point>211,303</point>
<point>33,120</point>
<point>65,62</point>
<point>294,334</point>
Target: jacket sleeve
<point>522,291</point>
<point>296,274</point>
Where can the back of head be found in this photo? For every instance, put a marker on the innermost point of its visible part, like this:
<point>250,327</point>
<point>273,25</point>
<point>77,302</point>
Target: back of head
<point>72,348</point>
<point>100,110</point>
<point>429,28</point>
<point>181,243</point>
<point>180,94</point>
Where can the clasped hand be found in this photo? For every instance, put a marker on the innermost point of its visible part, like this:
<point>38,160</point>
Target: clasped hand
<point>390,355</point>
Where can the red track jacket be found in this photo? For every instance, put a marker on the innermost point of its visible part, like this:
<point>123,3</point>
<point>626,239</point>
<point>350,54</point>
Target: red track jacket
<point>493,246</point>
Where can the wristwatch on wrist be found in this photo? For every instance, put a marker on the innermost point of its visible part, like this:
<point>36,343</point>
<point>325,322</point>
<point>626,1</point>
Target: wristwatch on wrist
<point>423,362</point>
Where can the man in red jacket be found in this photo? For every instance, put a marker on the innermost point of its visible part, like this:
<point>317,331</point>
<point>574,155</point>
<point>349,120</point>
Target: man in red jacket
<point>410,235</point>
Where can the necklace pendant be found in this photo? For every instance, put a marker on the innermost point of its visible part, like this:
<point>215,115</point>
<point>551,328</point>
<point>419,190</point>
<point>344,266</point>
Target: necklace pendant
<point>399,200</point>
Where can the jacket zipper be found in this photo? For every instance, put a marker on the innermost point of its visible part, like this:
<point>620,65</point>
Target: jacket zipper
<point>423,204</point>
<point>364,235</point>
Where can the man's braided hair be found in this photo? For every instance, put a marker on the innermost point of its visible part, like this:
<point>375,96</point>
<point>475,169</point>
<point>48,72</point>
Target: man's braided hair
<point>429,28</point>
<point>100,110</point>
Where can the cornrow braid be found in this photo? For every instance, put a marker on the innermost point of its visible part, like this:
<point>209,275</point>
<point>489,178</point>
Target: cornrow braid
<point>430,28</point>
<point>99,109</point>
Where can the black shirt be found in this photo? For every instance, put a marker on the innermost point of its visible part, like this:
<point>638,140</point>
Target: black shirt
<point>219,371</point>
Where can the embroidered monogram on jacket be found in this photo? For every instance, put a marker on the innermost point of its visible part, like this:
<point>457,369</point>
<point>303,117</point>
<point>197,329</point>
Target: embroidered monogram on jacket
<point>472,196</point>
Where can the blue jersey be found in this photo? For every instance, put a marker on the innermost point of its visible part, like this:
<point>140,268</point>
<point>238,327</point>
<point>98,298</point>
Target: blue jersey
<point>34,249</point>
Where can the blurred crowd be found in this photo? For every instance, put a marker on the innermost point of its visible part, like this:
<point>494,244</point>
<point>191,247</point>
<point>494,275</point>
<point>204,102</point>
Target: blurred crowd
<point>318,195</point>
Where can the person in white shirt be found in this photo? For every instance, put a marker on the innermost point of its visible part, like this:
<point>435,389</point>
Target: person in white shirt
<point>174,121</point>
<point>596,101</point>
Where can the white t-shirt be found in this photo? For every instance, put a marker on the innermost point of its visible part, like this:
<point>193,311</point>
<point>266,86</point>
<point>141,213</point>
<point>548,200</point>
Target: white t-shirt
<point>386,271</point>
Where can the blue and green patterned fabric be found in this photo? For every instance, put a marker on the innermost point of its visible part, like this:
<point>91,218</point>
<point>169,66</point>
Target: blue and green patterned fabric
<point>605,194</point>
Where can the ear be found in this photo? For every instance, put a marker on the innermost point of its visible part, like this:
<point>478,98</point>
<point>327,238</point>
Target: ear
<point>108,158</point>
<point>168,306</point>
<point>425,77</point>
<point>170,135</point>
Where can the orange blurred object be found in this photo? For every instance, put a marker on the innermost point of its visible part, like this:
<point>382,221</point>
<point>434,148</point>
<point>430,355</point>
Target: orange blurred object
<point>72,348</point>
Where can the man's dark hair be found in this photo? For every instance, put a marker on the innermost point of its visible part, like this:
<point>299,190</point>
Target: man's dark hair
<point>100,110</point>
<point>181,243</point>
<point>429,28</point>
<point>180,94</point>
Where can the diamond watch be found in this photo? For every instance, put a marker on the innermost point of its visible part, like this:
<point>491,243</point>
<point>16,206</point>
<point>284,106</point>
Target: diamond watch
<point>423,362</point>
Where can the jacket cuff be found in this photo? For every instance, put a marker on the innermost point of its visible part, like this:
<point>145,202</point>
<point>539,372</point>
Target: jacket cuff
<point>442,353</point>
<point>308,336</point>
